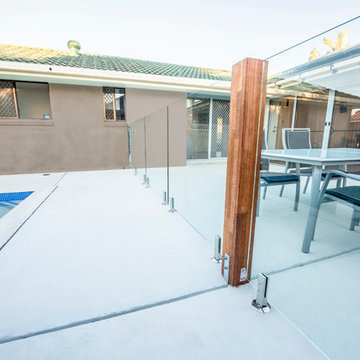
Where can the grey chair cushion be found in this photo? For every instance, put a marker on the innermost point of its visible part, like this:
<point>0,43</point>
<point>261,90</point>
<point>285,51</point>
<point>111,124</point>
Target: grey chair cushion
<point>273,177</point>
<point>350,194</point>
<point>333,176</point>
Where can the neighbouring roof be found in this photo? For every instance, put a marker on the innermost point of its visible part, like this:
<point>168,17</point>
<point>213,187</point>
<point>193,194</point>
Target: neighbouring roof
<point>33,55</point>
<point>356,116</point>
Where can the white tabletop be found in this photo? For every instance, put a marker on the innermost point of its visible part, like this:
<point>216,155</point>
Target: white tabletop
<point>333,156</point>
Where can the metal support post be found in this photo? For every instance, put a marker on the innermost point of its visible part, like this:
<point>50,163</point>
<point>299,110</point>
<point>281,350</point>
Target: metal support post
<point>217,250</point>
<point>165,199</point>
<point>260,303</point>
<point>172,207</point>
<point>328,120</point>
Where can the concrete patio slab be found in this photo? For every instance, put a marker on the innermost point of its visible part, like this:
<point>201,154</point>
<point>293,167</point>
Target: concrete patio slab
<point>217,325</point>
<point>322,299</point>
<point>100,244</point>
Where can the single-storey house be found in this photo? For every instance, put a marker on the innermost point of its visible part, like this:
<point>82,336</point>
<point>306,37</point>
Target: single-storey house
<point>68,110</point>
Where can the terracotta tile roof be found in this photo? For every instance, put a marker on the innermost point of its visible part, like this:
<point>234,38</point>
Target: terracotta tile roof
<point>356,116</point>
<point>32,55</point>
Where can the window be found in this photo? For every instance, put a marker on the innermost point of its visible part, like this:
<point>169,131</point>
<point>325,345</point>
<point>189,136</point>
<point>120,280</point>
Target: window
<point>8,107</point>
<point>197,132</point>
<point>114,104</point>
<point>198,110</point>
<point>24,100</point>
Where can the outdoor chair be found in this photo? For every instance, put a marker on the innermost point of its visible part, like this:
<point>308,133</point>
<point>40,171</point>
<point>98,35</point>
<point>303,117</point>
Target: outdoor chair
<point>299,138</point>
<point>346,195</point>
<point>269,178</point>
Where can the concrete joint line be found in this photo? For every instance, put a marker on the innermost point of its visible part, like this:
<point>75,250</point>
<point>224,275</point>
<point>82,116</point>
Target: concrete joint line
<point>309,262</point>
<point>108,316</point>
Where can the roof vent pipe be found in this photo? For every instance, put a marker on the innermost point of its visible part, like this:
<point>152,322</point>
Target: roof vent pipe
<point>74,47</point>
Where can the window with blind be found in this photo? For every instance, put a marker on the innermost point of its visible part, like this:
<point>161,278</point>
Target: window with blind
<point>114,104</point>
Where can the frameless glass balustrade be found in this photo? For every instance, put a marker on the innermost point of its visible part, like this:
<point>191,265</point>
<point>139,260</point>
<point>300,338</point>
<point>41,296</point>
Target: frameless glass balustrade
<point>183,146</point>
<point>311,252</point>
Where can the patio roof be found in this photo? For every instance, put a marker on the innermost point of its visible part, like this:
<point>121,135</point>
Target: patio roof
<point>337,71</point>
<point>324,61</point>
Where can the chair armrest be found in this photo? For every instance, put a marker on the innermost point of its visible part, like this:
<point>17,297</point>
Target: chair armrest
<point>343,174</point>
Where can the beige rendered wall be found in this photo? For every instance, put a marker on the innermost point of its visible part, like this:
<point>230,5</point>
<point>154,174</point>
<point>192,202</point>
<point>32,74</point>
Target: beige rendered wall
<point>77,138</point>
<point>151,107</point>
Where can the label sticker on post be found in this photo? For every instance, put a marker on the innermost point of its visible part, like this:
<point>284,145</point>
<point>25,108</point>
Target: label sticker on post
<point>243,274</point>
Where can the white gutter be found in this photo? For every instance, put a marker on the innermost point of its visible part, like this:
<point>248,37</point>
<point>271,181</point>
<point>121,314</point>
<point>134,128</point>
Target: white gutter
<point>79,76</point>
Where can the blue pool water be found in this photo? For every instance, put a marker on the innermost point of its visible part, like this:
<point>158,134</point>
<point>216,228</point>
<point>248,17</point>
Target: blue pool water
<point>9,200</point>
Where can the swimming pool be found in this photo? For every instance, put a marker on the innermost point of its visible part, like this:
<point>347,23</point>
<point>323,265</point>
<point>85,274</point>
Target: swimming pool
<point>9,200</point>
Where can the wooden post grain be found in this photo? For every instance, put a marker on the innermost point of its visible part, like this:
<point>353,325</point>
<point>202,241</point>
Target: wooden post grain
<point>248,94</point>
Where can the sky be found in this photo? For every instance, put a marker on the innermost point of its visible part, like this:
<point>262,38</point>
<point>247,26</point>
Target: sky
<point>210,33</point>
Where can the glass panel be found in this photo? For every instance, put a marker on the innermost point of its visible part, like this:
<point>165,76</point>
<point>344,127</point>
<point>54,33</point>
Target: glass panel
<point>137,147</point>
<point>120,104</point>
<point>33,100</point>
<point>306,250</point>
<point>197,181</point>
<point>345,126</point>
<point>293,105</point>
<point>197,131</point>
<point>156,149</point>
<point>175,141</point>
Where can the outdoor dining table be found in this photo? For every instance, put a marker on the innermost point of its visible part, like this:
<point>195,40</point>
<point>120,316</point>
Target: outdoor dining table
<point>317,159</point>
